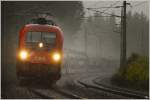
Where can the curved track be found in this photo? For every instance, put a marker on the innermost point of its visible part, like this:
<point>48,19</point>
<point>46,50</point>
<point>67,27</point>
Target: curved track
<point>52,92</point>
<point>91,82</point>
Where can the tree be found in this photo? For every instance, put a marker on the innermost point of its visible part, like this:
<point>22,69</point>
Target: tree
<point>107,42</point>
<point>137,34</point>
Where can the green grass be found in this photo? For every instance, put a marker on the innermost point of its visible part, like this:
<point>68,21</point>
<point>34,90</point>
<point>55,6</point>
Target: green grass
<point>135,74</point>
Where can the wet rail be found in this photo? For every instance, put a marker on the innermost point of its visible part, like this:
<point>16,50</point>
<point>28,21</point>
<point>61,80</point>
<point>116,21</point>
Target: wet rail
<point>42,95</point>
<point>114,91</point>
<point>62,92</point>
<point>67,93</point>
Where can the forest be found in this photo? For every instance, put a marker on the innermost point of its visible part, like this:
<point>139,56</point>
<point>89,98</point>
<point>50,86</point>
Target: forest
<point>103,35</point>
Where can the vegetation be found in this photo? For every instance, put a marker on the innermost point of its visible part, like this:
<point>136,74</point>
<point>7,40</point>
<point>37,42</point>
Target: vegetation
<point>135,74</point>
<point>106,31</point>
<point>137,33</point>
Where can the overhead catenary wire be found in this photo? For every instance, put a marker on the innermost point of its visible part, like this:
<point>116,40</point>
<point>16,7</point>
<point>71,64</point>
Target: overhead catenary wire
<point>104,11</point>
<point>111,6</point>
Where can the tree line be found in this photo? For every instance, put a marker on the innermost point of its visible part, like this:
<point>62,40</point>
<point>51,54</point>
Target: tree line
<point>106,30</point>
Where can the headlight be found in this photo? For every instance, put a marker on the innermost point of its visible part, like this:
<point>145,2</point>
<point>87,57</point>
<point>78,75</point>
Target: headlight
<point>40,44</point>
<point>23,55</point>
<point>56,56</point>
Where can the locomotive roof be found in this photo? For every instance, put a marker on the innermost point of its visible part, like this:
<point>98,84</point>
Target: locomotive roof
<point>41,25</point>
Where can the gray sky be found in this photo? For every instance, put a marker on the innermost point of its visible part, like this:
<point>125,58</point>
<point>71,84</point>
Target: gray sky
<point>137,6</point>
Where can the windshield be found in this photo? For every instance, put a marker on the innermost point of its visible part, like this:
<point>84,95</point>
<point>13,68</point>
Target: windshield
<point>46,37</point>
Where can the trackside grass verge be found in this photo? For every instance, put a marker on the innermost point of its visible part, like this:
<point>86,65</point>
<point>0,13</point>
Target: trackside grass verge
<point>135,75</point>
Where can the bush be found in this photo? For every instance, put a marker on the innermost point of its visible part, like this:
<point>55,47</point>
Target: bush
<point>135,74</point>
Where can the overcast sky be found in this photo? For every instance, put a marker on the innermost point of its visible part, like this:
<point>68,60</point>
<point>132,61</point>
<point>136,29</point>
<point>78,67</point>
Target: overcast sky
<point>137,6</point>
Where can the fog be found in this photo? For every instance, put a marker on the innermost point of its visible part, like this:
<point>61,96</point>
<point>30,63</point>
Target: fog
<point>81,36</point>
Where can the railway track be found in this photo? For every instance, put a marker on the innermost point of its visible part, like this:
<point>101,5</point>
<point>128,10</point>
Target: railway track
<point>68,93</point>
<point>100,87</point>
<point>124,91</point>
<point>40,94</point>
<point>45,94</point>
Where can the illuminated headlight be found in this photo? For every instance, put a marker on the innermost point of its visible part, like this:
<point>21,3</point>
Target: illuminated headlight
<point>40,44</point>
<point>56,57</point>
<point>23,55</point>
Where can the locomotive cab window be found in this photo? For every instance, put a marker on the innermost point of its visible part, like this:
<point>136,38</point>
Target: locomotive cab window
<point>46,37</point>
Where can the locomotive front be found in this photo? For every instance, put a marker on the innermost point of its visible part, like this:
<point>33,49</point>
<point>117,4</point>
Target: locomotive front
<point>40,51</point>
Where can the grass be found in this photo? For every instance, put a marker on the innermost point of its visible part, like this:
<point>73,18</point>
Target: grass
<point>135,75</point>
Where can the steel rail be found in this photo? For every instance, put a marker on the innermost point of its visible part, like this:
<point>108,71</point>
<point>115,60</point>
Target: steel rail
<point>136,93</point>
<point>60,91</point>
<point>123,93</point>
<point>67,93</point>
<point>40,94</point>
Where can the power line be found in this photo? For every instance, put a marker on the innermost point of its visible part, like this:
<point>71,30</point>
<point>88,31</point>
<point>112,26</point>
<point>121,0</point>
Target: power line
<point>105,13</point>
<point>111,6</point>
<point>96,17</point>
<point>101,7</point>
<point>107,8</point>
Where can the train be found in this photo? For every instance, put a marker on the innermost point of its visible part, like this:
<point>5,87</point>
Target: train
<point>40,51</point>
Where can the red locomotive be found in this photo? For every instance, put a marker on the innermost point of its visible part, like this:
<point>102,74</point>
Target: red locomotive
<point>40,51</point>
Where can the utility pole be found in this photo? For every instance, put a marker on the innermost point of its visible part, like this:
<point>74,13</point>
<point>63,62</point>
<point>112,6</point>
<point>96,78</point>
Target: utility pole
<point>123,36</point>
